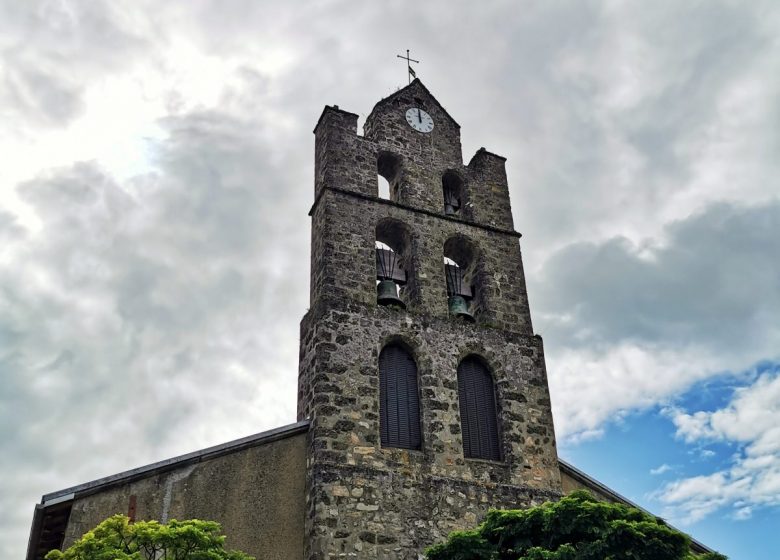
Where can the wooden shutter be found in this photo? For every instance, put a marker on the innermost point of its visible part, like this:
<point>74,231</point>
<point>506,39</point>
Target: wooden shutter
<point>478,419</point>
<point>399,401</point>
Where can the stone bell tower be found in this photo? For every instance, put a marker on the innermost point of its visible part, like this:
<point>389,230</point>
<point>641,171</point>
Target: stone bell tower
<point>419,370</point>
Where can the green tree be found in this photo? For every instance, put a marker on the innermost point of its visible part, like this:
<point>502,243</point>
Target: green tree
<point>577,527</point>
<point>118,539</point>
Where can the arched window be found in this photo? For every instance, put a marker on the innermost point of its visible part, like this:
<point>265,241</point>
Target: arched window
<point>462,272</point>
<point>453,193</point>
<point>399,401</point>
<point>478,419</point>
<point>394,273</point>
<point>388,168</point>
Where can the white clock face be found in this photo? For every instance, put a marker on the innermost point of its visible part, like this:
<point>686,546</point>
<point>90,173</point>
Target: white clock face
<point>419,120</point>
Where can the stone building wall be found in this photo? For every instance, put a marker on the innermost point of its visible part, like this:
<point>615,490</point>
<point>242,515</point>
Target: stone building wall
<point>344,265</point>
<point>402,500</point>
<point>348,161</point>
<point>570,482</point>
<point>363,500</point>
<point>256,492</point>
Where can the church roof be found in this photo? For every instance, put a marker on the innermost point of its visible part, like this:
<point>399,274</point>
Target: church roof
<point>50,517</point>
<point>590,482</point>
<point>416,84</point>
<point>178,462</point>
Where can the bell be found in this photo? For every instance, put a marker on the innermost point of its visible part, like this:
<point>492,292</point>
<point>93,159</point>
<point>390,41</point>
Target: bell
<point>460,308</point>
<point>387,294</point>
<point>449,210</point>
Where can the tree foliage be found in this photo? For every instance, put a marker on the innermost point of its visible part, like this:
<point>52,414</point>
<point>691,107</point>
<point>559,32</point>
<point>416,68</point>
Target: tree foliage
<point>577,527</point>
<point>118,539</point>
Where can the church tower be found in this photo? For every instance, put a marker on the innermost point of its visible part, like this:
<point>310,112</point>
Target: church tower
<point>420,374</point>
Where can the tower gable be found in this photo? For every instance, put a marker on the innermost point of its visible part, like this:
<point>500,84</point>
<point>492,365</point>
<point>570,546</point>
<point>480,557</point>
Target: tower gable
<point>426,155</point>
<point>414,94</point>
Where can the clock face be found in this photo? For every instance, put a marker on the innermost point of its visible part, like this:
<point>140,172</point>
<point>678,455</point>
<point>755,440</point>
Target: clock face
<point>419,120</point>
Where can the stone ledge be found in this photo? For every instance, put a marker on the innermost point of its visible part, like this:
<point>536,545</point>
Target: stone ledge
<point>355,194</point>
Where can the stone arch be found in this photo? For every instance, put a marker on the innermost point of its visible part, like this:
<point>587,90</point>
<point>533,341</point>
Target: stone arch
<point>464,274</point>
<point>478,406</point>
<point>454,193</point>
<point>388,167</point>
<point>409,343</point>
<point>394,258</point>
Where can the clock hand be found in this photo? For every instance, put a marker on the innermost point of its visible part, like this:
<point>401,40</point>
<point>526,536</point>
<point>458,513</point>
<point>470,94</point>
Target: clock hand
<point>419,116</point>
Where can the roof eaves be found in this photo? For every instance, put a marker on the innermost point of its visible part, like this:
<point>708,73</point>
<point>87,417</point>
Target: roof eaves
<point>254,440</point>
<point>578,474</point>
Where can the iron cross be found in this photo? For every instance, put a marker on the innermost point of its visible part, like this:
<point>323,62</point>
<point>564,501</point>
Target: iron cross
<point>409,65</point>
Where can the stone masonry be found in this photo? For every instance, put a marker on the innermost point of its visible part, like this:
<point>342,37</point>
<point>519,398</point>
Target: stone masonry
<point>363,500</point>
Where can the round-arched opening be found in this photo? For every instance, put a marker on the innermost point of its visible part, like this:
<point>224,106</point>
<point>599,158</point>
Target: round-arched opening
<point>388,168</point>
<point>452,186</point>
<point>395,284</point>
<point>461,274</point>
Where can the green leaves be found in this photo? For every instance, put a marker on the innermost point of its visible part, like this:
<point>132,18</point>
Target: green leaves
<point>117,539</point>
<point>463,545</point>
<point>577,527</point>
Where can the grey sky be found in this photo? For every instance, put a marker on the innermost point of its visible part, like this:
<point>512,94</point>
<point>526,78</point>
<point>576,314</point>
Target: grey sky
<point>157,172</point>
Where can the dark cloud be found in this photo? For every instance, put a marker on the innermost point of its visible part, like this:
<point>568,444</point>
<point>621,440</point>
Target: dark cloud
<point>627,325</point>
<point>709,282</point>
<point>609,127</point>
<point>52,50</point>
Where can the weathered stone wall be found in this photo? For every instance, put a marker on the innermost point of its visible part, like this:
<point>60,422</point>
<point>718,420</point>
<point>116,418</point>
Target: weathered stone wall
<point>365,512</point>
<point>344,265</point>
<point>490,196</point>
<point>401,495</point>
<point>340,393</point>
<point>345,160</point>
<point>257,494</point>
<point>363,500</point>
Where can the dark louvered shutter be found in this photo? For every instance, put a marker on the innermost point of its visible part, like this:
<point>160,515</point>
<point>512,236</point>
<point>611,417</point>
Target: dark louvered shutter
<point>478,411</point>
<point>399,404</point>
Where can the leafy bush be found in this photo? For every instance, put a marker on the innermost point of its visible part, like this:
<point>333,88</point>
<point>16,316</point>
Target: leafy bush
<point>577,527</point>
<point>118,539</point>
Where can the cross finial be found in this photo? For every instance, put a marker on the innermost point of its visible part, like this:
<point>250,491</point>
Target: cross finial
<point>409,68</point>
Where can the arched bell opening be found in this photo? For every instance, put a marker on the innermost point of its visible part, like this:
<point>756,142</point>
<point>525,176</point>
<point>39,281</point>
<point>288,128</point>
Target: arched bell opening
<point>453,189</point>
<point>395,285</point>
<point>388,168</point>
<point>462,272</point>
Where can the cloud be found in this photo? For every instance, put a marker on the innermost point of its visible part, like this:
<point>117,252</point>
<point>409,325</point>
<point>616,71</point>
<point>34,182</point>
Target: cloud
<point>628,325</point>
<point>752,481</point>
<point>661,469</point>
<point>636,118</point>
<point>72,43</point>
<point>133,296</point>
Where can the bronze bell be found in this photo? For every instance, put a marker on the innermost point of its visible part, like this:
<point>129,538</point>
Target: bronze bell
<point>460,308</point>
<point>387,294</point>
